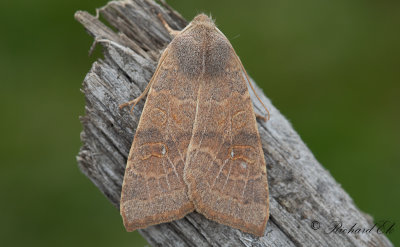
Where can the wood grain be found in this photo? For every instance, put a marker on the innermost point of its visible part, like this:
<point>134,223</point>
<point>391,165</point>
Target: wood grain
<point>301,190</point>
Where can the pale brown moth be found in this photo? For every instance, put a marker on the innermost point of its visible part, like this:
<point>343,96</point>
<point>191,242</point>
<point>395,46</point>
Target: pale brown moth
<point>197,146</point>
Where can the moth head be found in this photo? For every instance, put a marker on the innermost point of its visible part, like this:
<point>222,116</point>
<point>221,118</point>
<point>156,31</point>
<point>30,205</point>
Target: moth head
<point>203,19</point>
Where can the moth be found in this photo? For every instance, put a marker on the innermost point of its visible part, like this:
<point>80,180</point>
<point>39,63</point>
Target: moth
<point>197,146</point>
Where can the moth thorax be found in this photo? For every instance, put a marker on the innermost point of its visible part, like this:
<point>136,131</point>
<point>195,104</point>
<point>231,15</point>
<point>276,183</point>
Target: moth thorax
<point>203,19</point>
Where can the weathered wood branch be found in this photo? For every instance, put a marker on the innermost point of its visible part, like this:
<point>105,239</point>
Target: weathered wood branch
<point>301,190</point>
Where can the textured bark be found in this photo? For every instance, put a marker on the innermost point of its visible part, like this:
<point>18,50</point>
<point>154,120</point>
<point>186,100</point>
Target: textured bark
<point>301,190</point>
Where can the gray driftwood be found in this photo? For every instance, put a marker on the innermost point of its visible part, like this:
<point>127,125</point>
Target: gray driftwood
<point>301,190</point>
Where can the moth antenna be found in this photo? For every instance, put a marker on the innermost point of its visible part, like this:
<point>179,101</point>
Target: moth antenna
<point>146,90</point>
<point>214,20</point>
<point>171,31</point>
<point>254,91</point>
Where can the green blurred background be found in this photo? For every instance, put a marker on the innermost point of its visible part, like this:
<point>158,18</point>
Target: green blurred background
<point>331,67</point>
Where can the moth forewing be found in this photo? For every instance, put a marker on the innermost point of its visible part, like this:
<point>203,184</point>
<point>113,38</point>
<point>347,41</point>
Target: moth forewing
<point>153,190</point>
